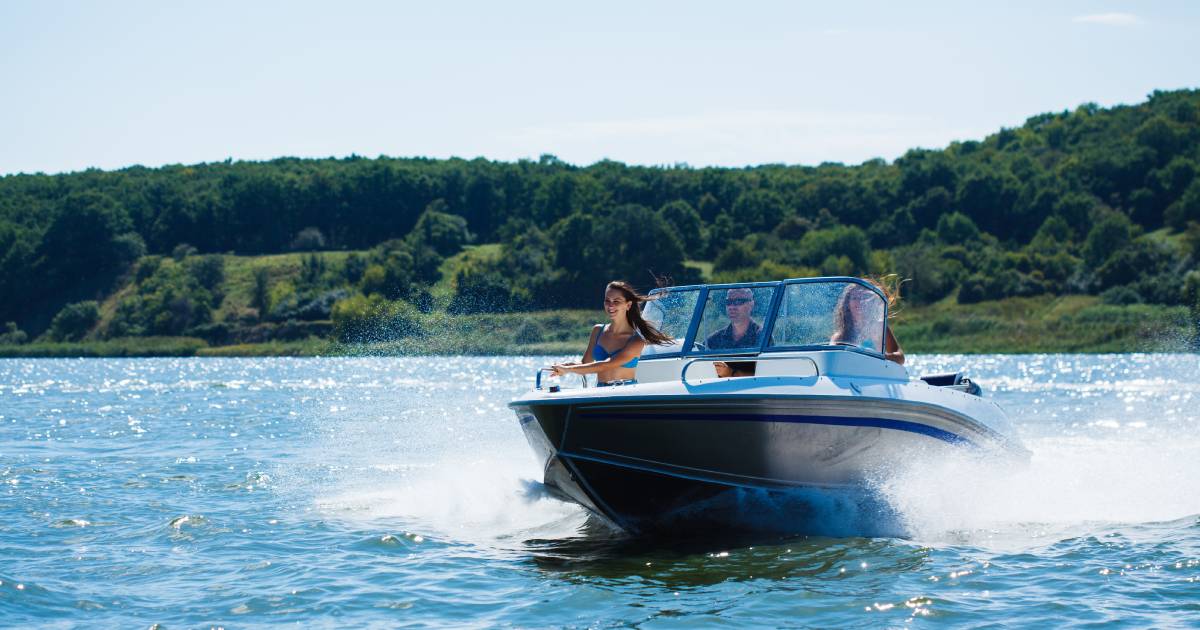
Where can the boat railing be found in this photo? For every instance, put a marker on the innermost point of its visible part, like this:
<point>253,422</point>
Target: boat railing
<point>816,370</point>
<point>537,382</point>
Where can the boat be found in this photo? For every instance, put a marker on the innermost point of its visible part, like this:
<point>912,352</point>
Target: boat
<point>818,411</point>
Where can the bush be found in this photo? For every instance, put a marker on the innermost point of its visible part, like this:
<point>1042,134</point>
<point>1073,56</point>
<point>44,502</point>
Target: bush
<point>972,291</point>
<point>1121,296</point>
<point>12,336</point>
<point>480,291</point>
<point>308,239</point>
<point>209,271</point>
<point>74,321</point>
<point>321,306</point>
<point>818,245</point>
<point>375,318</point>
<point>183,250</point>
<point>169,300</point>
<point>529,332</point>
<point>443,232</point>
<point>147,266</point>
<point>353,268</point>
<point>738,255</point>
<point>129,247</point>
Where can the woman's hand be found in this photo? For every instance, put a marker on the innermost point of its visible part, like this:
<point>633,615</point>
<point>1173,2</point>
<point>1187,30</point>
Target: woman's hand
<point>561,369</point>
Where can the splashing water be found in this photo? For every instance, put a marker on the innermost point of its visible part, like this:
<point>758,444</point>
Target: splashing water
<point>394,491</point>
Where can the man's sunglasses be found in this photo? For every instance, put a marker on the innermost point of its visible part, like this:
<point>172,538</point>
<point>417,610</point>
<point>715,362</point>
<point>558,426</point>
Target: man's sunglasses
<point>737,301</point>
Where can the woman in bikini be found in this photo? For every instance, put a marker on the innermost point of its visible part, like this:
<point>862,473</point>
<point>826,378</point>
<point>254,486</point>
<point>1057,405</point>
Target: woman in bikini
<point>613,349</point>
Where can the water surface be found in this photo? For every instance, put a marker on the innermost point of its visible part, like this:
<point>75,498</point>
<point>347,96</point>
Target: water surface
<point>392,492</point>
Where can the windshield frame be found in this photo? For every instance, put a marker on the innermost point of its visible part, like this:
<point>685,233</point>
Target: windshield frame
<point>780,289</point>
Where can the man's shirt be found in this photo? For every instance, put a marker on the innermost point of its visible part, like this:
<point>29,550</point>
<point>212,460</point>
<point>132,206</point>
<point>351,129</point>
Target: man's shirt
<point>724,338</point>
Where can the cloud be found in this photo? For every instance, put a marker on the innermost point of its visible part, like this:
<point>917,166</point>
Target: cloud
<point>1110,19</point>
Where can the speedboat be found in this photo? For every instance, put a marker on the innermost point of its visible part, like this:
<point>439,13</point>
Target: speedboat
<point>817,410</point>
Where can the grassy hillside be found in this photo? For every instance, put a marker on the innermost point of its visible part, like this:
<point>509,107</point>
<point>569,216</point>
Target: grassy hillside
<point>1074,323</point>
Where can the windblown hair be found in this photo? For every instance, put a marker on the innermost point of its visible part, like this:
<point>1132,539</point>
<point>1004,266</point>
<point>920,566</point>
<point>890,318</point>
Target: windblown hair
<point>889,285</point>
<point>645,329</point>
<point>845,329</point>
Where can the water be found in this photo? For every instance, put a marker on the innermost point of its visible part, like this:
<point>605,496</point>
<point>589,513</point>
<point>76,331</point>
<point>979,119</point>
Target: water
<point>393,492</point>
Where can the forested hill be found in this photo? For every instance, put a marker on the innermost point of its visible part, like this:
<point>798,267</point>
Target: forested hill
<point>1090,201</point>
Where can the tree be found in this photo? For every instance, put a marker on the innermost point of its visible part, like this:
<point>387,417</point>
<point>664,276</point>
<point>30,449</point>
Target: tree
<point>74,321</point>
<point>445,233</point>
<point>82,238</point>
<point>758,210</point>
<point>956,228</point>
<point>260,295</point>
<point>819,245</point>
<point>684,219</point>
<point>309,239</point>
<point>1110,234</point>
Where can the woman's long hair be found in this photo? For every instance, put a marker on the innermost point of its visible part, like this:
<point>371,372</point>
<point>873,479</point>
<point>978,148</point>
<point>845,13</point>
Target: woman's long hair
<point>644,328</point>
<point>844,327</point>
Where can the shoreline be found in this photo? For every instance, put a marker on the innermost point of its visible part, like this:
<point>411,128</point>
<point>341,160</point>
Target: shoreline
<point>1029,325</point>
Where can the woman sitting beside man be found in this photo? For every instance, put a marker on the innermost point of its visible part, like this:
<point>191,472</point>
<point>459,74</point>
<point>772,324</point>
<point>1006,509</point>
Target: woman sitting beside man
<point>613,349</point>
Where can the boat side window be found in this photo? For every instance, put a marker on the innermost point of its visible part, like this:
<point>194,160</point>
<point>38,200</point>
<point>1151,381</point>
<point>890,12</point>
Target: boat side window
<point>830,313</point>
<point>733,319</point>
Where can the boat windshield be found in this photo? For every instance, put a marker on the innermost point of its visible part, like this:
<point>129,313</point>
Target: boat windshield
<point>734,318</point>
<point>828,312</point>
<point>671,313</point>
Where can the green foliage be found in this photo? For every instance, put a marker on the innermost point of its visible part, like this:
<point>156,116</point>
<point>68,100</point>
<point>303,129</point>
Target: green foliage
<point>1057,205</point>
<point>480,289</point>
<point>766,270</point>
<point>818,246</point>
<point>1121,296</point>
<point>445,233</point>
<point>757,211</point>
<point>686,222</point>
<point>309,239</point>
<point>260,297</point>
<point>359,319</point>
<point>1137,261</point>
<point>1109,235</point>
<point>170,300</point>
<point>12,335</point>
<point>312,268</point>
<point>74,321</point>
<point>738,255</point>
<point>183,250</point>
<point>353,268</point>
<point>1186,209</point>
<point>956,228</point>
<point>208,271</point>
<point>528,332</point>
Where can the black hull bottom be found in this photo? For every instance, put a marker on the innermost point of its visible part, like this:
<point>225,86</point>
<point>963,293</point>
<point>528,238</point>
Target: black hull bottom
<point>651,503</point>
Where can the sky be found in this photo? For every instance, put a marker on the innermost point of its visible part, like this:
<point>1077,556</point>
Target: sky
<point>115,84</point>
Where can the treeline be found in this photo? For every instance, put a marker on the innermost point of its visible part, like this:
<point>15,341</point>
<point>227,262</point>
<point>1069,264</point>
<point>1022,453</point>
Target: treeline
<point>1100,201</point>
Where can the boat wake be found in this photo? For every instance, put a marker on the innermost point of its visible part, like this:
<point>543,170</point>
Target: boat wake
<point>1071,484</point>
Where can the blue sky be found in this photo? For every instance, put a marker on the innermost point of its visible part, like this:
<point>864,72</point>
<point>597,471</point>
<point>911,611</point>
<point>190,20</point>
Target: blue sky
<point>112,84</point>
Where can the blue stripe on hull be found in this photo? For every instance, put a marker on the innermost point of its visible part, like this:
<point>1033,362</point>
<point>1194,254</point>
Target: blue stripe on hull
<point>878,423</point>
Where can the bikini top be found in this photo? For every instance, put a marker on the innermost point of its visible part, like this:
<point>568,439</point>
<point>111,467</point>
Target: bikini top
<point>600,354</point>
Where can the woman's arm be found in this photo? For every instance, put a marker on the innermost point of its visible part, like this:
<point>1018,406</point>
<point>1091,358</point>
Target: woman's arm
<point>631,351</point>
<point>587,354</point>
<point>894,352</point>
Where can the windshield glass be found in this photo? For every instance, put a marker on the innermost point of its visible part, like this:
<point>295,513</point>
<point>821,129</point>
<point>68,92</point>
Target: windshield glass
<point>733,319</point>
<point>670,312</point>
<point>834,312</point>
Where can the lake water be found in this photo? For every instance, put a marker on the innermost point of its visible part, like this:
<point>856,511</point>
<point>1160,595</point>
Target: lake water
<point>393,492</point>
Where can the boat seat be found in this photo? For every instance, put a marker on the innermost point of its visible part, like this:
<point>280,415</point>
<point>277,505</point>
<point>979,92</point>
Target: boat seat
<point>954,380</point>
